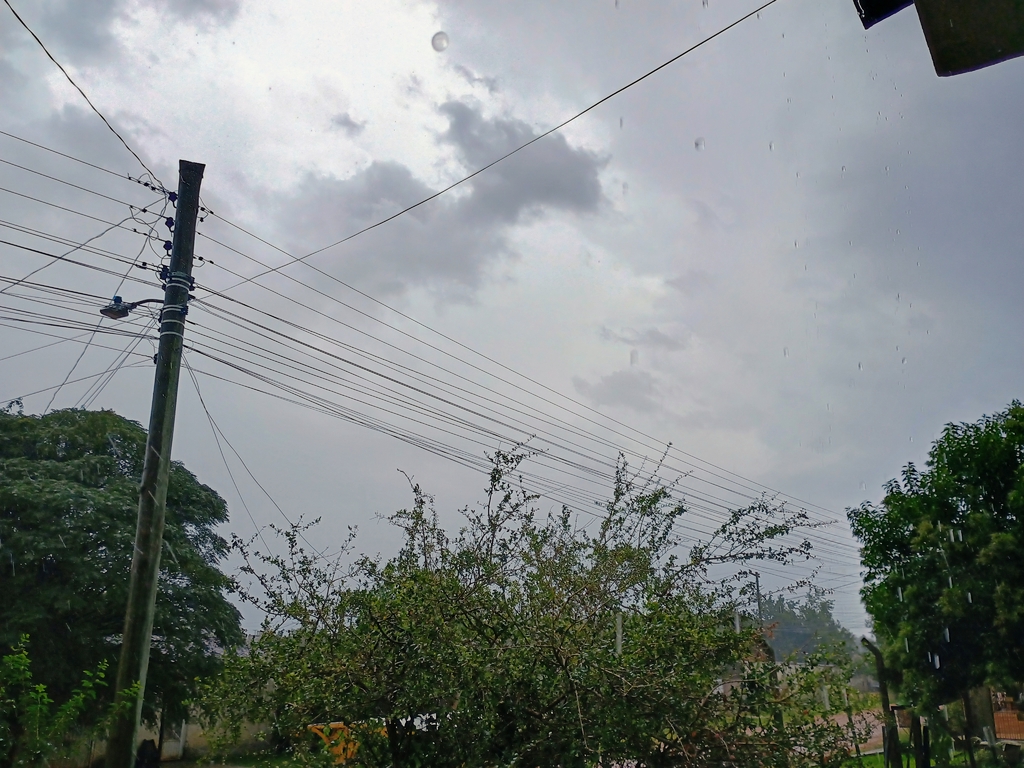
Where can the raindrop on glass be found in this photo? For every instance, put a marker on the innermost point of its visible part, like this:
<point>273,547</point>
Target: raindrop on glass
<point>904,361</point>
<point>844,169</point>
<point>439,41</point>
<point>699,144</point>
<point>771,146</point>
<point>860,366</point>
<point>785,351</point>
<point>620,123</point>
<point>705,3</point>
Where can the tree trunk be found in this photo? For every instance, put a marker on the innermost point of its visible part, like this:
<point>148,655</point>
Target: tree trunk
<point>160,738</point>
<point>917,741</point>
<point>969,728</point>
<point>890,733</point>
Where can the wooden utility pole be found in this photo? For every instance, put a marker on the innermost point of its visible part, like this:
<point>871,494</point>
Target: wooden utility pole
<point>892,755</point>
<point>149,532</point>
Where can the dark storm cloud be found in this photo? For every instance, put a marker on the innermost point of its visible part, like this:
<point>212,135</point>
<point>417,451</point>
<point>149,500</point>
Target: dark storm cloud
<point>549,173</point>
<point>348,124</point>
<point>648,337</point>
<point>631,389</point>
<point>448,244</point>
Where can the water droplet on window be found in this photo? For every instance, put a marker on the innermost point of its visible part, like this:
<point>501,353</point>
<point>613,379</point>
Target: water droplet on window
<point>698,144</point>
<point>439,41</point>
<point>705,3</point>
<point>844,169</point>
<point>620,123</point>
<point>785,351</point>
<point>904,361</point>
<point>771,146</point>
<point>625,188</point>
<point>860,366</point>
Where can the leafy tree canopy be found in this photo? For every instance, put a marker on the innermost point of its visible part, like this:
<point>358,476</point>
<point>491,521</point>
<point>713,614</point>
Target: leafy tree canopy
<point>533,640</point>
<point>68,508</point>
<point>944,577</point>
<point>801,627</point>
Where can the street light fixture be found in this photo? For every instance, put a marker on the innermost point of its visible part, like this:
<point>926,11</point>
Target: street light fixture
<point>119,310</point>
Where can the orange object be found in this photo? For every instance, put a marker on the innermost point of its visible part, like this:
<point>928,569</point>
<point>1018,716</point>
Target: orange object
<point>339,740</point>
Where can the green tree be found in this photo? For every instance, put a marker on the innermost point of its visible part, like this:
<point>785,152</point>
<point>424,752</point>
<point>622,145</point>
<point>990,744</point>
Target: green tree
<point>68,505</point>
<point>33,730</point>
<point>797,628</point>
<point>499,646</point>
<point>944,580</point>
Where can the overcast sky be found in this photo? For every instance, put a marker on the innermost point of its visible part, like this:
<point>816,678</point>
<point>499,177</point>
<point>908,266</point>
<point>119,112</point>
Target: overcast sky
<point>794,253</point>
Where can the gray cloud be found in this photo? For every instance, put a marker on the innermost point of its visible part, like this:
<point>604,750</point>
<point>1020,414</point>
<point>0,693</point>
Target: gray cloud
<point>77,32</point>
<point>471,77</point>
<point>89,36</point>
<point>202,12</point>
<point>691,282</point>
<point>448,244</point>
<point>348,124</point>
<point>628,388</point>
<point>648,337</point>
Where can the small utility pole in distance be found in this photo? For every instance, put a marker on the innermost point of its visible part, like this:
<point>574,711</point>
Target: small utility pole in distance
<point>149,533</point>
<point>760,614</point>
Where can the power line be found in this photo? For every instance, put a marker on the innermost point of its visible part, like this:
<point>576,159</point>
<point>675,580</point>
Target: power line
<point>39,348</point>
<point>63,181</point>
<point>261,240</point>
<point>65,155</point>
<point>79,89</point>
<point>220,450</point>
<point>444,352</point>
<point>421,359</point>
<point>291,362</point>
<point>376,424</point>
<point>556,128</point>
<point>71,210</point>
<point>73,381</point>
<point>295,344</point>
